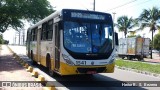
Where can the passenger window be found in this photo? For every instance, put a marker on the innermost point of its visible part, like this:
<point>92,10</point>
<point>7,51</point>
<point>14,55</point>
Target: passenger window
<point>49,30</point>
<point>34,34</point>
<point>44,29</point>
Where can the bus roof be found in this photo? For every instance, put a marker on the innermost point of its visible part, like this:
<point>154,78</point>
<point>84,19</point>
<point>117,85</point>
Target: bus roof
<point>58,13</point>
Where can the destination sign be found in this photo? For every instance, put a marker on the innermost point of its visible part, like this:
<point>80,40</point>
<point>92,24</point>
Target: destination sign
<point>87,16</point>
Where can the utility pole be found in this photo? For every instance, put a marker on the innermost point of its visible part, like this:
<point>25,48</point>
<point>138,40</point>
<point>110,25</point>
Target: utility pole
<point>94,4</point>
<point>114,16</point>
<point>23,37</point>
<point>114,19</point>
<point>19,37</point>
<point>16,34</point>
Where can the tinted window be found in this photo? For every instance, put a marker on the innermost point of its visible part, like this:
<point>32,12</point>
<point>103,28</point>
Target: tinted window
<point>87,37</point>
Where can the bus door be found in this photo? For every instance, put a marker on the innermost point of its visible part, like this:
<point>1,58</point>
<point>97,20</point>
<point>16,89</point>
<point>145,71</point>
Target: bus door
<point>39,45</point>
<point>28,43</point>
<point>57,47</point>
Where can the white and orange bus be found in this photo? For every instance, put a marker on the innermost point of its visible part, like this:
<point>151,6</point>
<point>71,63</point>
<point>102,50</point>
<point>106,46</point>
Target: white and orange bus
<point>74,42</point>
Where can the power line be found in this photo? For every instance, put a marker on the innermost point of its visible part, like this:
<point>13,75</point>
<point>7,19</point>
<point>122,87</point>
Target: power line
<point>121,5</point>
<point>84,6</point>
<point>140,3</point>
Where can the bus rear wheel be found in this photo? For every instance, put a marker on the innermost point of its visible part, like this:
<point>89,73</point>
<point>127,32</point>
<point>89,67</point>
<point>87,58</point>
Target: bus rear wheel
<point>33,62</point>
<point>50,71</point>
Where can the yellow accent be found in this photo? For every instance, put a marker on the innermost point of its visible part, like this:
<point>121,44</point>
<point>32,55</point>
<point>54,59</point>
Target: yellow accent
<point>52,64</point>
<point>34,57</point>
<point>26,65</point>
<point>34,73</point>
<point>40,78</point>
<point>49,86</point>
<point>43,61</point>
<point>30,69</point>
<point>66,69</point>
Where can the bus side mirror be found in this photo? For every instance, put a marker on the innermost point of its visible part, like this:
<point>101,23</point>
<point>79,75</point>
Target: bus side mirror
<point>116,38</point>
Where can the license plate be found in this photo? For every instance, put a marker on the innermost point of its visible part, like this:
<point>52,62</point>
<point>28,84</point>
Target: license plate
<point>91,72</point>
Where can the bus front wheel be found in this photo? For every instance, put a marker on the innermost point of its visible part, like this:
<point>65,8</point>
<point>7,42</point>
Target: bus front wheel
<point>50,71</point>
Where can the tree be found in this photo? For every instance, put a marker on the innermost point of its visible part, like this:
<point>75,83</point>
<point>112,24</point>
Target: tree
<point>150,18</point>
<point>124,23</point>
<point>6,42</point>
<point>1,39</point>
<point>156,41</point>
<point>13,12</point>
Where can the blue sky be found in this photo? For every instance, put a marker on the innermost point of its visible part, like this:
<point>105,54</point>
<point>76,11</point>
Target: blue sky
<point>130,8</point>
<point>133,8</point>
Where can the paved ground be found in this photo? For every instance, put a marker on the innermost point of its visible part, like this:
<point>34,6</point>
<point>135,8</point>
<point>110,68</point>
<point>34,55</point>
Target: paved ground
<point>156,58</point>
<point>82,82</point>
<point>10,70</point>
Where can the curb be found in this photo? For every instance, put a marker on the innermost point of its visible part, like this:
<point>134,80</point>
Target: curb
<point>49,86</point>
<point>40,78</point>
<point>29,68</point>
<point>35,74</point>
<point>139,71</point>
<point>26,65</point>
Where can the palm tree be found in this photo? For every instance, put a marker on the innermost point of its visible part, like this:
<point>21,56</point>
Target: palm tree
<point>124,23</point>
<point>150,18</point>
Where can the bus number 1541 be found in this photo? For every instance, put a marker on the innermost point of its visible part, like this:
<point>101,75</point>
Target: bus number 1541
<point>80,62</point>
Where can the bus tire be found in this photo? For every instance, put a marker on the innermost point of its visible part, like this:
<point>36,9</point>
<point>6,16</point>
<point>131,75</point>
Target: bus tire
<point>33,62</point>
<point>129,58</point>
<point>50,71</point>
<point>123,57</point>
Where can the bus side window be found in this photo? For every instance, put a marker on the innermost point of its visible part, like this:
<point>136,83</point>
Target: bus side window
<point>43,34</point>
<point>32,31</point>
<point>34,34</point>
<point>30,35</point>
<point>49,31</point>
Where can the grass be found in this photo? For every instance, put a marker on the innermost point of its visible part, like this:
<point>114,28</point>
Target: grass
<point>154,68</point>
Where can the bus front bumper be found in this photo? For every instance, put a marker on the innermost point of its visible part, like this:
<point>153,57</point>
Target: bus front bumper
<point>66,69</point>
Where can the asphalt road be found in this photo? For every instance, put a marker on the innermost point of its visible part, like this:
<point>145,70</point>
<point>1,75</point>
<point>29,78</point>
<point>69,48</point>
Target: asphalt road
<point>103,81</point>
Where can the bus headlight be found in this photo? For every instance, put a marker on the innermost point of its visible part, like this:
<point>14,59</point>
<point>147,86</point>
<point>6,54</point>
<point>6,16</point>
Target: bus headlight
<point>67,59</point>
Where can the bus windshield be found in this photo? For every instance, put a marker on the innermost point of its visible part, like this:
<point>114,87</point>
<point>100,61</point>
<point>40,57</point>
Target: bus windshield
<point>80,37</point>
